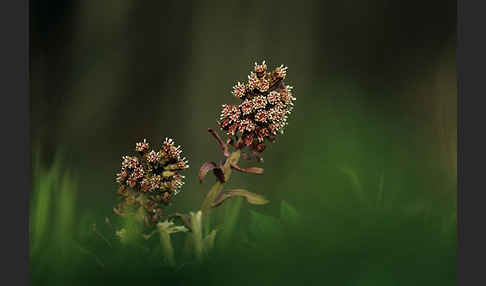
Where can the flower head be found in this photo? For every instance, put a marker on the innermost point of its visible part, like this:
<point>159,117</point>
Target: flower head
<point>266,103</point>
<point>281,72</point>
<point>239,90</point>
<point>142,146</point>
<point>151,179</point>
<point>260,69</point>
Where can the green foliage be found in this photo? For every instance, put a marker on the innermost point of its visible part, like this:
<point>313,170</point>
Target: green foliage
<point>353,245</point>
<point>52,208</point>
<point>288,214</point>
<point>231,215</point>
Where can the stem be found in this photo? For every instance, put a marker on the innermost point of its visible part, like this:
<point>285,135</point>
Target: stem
<point>224,147</point>
<point>167,247</point>
<point>218,186</point>
<point>196,219</point>
<point>196,225</point>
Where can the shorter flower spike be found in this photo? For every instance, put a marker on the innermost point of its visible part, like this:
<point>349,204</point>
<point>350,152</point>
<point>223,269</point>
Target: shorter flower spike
<point>150,180</point>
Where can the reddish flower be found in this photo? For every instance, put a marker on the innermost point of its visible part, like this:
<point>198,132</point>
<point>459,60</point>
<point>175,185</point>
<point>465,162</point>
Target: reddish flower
<point>273,97</point>
<point>155,182</point>
<point>262,132</point>
<point>137,173</point>
<point>142,146</point>
<point>232,129</point>
<point>225,123</point>
<point>120,177</point>
<point>263,85</point>
<point>145,185</point>
<point>231,112</point>
<point>131,182</point>
<point>170,151</point>
<point>261,116</point>
<point>246,106</point>
<point>246,125</point>
<point>252,81</point>
<point>286,95</point>
<point>260,69</point>
<point>152,157</point>
<point>260,147</point>
<point>129,162</point>
<point>281,71</point>
<point>239,90</point>
<point>259,102</point>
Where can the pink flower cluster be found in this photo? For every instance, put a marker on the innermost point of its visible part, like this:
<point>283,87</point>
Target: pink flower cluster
<point>265,105</point>
<point>151,178</point>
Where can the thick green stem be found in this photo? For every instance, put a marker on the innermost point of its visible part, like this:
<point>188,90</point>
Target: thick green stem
<point>196,226</point>
<point>196,219</point>
<point>167,247</point>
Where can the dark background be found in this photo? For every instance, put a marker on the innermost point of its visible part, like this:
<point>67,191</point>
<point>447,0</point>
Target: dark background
<point>104,74</point>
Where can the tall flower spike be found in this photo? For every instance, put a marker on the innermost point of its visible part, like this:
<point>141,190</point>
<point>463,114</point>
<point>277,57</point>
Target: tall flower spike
<point>266,103</point>
<point>150,180</point>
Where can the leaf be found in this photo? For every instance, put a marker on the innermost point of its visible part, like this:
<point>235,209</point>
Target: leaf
<point>208,166</point>
<point>288,214</point>
<point>254,170</point>
<point>208,242</point>
<point>250,170</point>
<point>232,211</point>
<point>380,198</point>
<point>263,226</point>
<point>355,183</point>
<point>252,198</point>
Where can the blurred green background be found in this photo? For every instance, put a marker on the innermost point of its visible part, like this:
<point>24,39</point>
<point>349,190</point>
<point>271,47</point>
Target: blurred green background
<point>368,159</point>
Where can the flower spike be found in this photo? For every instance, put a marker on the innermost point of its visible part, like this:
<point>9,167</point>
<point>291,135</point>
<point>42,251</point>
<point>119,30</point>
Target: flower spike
<point>150,180</point>
<point>266,103</point>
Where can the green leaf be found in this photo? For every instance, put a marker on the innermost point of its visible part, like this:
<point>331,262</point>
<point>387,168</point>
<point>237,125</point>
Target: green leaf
<point>262,226</point>
<point>288,214</point>
<point>380,198</point>
<point>232,212</point>
<point>66,197</point>
<point>355,183</point>
<point>252,198</point>
<point>208,242</point>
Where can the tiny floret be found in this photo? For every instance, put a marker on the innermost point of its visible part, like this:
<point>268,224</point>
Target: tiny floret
<point>259,69</point>
<point>239,90</point>
<point>142,146</point>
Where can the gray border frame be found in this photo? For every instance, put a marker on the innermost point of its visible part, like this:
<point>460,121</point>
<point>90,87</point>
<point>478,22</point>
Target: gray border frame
<point>471,195</point>
<point>14,29</point>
